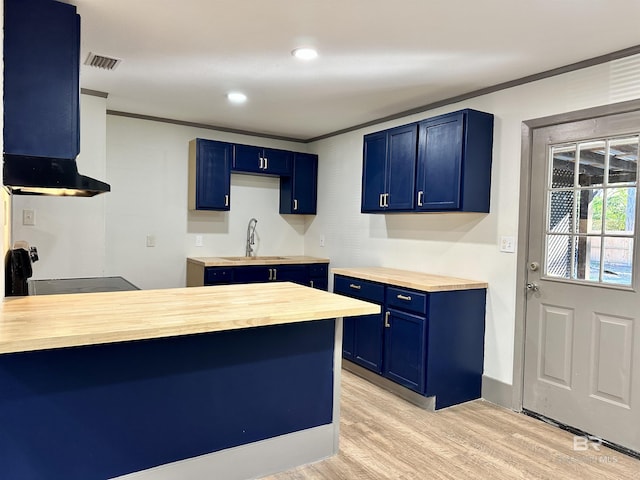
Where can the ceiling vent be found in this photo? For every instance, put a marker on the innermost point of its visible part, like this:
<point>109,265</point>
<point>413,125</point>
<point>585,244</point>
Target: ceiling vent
<point>101,61</point>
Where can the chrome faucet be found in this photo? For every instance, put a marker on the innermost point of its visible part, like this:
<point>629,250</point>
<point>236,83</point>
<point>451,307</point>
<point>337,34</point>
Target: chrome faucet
<point>251,233</point>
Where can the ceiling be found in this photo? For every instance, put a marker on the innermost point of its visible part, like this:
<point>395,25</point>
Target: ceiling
<point>377,58</point>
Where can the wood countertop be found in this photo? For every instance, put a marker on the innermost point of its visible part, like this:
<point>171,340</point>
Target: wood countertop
<point>259,260</point>
<point>424,282</point>
<point>58,321</point>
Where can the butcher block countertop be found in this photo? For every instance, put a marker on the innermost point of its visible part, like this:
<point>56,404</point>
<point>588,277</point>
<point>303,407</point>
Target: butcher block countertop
<point>58,321</point>
<point>424,282</point>
<point>259,260</point>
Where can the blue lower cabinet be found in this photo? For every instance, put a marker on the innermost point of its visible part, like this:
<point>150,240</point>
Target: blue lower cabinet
<point>363,334</point>
<point>311,275</point>
<point>431,343</point>
<point>405,347</point>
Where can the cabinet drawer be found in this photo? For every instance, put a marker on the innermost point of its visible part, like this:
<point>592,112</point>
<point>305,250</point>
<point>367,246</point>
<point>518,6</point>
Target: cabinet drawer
<point>214,275</point>
<point>318,269</point>
<point>357,288</point>
<point>408,300</point>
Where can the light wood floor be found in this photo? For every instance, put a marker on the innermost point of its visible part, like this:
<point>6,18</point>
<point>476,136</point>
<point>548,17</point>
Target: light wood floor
<point>384,437</point>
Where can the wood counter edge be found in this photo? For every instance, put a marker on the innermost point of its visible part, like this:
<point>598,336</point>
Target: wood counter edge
<point>426,284</point>
<point>283,260</point>
<point>145,331</point>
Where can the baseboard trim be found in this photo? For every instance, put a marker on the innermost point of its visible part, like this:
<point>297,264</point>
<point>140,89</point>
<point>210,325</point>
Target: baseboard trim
<point>498,392</point>
<point>253,460</point>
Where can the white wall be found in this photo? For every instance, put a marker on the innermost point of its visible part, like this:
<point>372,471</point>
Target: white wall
<point>464,245</point>
<point>147,169</point>
<point>70,232</point>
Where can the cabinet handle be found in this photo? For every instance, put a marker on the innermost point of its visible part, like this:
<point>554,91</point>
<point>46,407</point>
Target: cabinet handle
<point>420,195</point>
<point>312,285</point>
<point>386,320</point>
<point>356,287</point>
<point>381,202</point>
<point>386,200</point>
<point>404,297</point>
<point>261,163</point>
<point>270,274</point>
<point>275,273</point>
<point>295,204</point>
<point>226,200</point>
<point>266,163</point>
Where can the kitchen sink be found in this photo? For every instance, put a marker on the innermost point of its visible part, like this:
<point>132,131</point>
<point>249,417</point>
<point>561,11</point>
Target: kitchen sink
<point>242,259</point>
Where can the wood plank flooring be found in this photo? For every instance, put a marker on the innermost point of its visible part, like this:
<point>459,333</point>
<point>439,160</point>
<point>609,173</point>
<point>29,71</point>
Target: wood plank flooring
<point>385,437</point>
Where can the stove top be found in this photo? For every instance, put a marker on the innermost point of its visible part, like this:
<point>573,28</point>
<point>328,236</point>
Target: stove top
<point>80,285</point>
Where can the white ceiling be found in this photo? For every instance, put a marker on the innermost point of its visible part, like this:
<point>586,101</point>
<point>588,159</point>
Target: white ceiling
<point>377,57</point>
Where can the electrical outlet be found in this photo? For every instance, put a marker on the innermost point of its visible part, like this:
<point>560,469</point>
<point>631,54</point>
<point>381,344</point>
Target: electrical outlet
<point>151,240</point>
<point>507,244</point>
<point>322,240</point>
<point>28,217</point>
<point>199,242</point>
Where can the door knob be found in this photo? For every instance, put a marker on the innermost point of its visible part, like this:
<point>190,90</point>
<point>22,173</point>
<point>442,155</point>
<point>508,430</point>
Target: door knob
<point>534,266</point>
<point>533,287</point>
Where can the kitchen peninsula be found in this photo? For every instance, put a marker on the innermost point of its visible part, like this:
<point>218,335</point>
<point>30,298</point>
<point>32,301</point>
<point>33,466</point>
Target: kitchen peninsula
<point>230,381</point>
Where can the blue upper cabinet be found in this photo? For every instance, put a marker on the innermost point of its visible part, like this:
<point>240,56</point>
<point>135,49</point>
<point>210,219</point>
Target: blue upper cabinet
<point>388,172</point>
<point>440,164</point>
<point>209,174</point>
<point>298,192</point>
<point>454,162</point>
<point>41,72</point>
<point>266,161</point>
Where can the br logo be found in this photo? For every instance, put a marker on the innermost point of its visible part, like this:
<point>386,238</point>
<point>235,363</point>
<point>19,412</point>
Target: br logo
<point>582,444</point>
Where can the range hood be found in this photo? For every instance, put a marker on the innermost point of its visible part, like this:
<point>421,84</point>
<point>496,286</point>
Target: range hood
<point>23,175</point>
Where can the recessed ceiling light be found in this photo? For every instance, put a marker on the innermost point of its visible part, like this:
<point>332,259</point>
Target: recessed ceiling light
<point>305,53</point>
<point>236,97</point>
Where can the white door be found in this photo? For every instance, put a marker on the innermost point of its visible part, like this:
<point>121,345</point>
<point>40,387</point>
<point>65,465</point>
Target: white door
<point>582,330</point>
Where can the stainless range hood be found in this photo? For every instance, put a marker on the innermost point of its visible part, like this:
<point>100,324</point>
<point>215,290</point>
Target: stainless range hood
<point>23,175</point>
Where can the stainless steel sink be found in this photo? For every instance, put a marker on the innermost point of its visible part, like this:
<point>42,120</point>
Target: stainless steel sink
<point>261,258</point>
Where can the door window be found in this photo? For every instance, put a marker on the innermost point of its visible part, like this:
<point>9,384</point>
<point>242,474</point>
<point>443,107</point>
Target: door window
<point>591,211</point>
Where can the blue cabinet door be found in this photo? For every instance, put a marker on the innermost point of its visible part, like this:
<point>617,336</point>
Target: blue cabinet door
<point>213,163</point>
<point>266,161</point>
<point>298,192</point>
<point>367,341</point>
<point>388,172</point>
<point>374,168</point>
<point>401,167</point>
<point>348,335</point>
<point>405,349</point>
<point>439,163</point>
<point>247,158</point>
<point>41,72</point>
<point>277,162</point>
<point>454,162</point>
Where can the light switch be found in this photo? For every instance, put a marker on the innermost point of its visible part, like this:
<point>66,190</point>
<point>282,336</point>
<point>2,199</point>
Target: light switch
<point>199,241</point>
<point>507,244</point>
<point>151,240</point>
<point>28,217</point>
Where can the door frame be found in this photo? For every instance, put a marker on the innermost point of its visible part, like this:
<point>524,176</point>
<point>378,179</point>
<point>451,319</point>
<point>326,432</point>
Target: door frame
<point>528,127</point>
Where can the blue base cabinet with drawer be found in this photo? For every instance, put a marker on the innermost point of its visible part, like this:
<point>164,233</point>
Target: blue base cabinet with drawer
<point>362,336</point>
<point>431,343</point>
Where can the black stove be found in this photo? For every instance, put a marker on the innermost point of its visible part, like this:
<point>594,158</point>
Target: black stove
<point>80,285</point>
